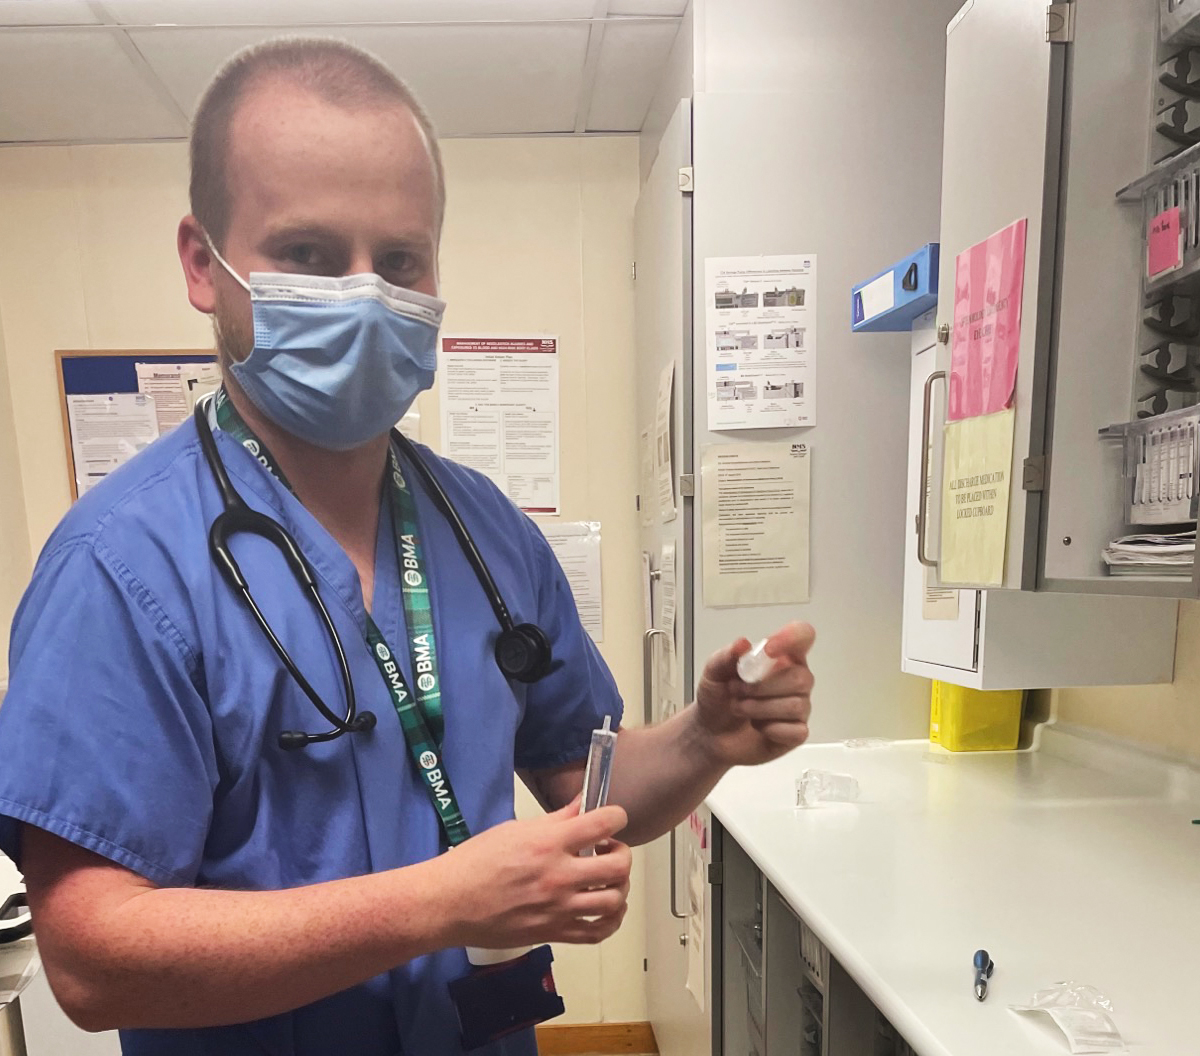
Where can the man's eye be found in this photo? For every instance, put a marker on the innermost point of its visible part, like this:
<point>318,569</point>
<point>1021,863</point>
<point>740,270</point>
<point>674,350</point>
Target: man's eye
<point>302,256</point>
<point>400,263</point>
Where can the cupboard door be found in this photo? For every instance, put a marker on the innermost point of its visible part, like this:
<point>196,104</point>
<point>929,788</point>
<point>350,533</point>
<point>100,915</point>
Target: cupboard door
<point>1000,164</point>
<point>942,632</point>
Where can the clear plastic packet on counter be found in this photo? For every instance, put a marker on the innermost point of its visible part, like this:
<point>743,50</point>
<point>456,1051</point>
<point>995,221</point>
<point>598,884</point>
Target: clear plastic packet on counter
<point>822,786</point>
<point>866,742</point>
<point>1082,1013</point>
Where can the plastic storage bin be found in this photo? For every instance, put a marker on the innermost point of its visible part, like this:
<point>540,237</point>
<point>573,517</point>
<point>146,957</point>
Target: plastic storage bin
<point>975,720</point>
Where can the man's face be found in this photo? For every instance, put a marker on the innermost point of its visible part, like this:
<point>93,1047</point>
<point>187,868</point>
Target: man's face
<point>316,189</point>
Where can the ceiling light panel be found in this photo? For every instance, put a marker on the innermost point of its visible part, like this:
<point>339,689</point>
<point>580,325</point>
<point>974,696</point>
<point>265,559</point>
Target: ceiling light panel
<point>76,85</point>
<point>44,13</point>
<point>301,12</point>
<point>631,63</point>
<point>474,80</point>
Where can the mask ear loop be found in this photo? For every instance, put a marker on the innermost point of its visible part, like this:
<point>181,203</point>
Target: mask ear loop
<point>224,263</point>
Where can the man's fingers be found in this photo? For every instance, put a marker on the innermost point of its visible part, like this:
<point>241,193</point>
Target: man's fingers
<point>603,903</point>
<point>587,830</point>
<point>583,931</point>
<point>604,870</point>
<point>792,642</point>
<point>795,680</point>
<point>569,811</point>
<point>776,709</point>
<point>784,734</point>
<point>722,665</point>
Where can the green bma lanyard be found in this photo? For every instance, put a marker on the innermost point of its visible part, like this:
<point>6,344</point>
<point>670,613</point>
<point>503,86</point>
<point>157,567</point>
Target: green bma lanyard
<point>420,714</point>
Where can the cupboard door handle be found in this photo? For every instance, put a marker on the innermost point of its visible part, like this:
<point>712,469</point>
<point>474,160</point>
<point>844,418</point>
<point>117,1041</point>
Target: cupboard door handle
<point>674,912</point>
<point>648,673</point>
<point>923,498</point>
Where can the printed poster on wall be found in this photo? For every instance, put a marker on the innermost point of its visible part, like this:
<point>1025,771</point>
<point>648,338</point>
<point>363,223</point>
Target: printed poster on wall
<point>989,279</point>
<point>760,334</point>
<point>975,494</point>
<point>499,404</point>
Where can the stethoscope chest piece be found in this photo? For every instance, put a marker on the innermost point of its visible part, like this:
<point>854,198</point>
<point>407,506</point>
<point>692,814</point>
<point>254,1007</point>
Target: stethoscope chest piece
<point>523,653</point>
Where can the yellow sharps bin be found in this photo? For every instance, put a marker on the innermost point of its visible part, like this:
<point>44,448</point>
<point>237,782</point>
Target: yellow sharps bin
<point>975,720</point>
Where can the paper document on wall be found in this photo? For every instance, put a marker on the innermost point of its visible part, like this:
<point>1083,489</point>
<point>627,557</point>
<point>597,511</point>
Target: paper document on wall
<point>106,431</point>
<point>647,493</point>
<point>647,593</point>
<point>168,385</point>
<point>937,602</point>
<point>761,341</point>
<point>975,491</point>
<point>697,883</point>
<point>664,459</point>
<point>577,547</point>
<point>197,380</point>
<point>666,619</point>
<point>989,282</point>
<point>410,424</point>
<point>500,409</point>
<point>755,527</point>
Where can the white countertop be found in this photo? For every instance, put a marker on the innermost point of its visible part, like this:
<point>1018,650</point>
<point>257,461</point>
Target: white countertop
<point>1079,861</point>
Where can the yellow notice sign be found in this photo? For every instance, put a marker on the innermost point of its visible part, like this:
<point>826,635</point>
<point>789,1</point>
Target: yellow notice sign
<point>975,486</point>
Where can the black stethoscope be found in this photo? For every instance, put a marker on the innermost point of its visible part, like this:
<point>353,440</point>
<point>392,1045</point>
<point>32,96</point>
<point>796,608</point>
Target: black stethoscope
<point>522,650</point>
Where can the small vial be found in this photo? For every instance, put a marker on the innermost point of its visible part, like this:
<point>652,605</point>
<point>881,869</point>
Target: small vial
<point>755,665</point>
<point>821,786</point>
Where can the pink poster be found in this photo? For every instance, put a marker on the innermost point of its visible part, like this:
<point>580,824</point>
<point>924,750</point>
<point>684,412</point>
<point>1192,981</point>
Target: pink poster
<point>988,282</point>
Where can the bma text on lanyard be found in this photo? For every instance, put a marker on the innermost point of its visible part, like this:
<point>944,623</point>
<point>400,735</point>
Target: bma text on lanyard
<point>420,713</point>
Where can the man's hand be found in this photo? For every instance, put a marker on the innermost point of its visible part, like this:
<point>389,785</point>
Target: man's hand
<point>524,882</point>
<point>744,724</point>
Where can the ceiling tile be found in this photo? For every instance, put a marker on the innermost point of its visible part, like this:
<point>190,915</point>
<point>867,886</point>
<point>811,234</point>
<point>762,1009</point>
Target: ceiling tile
<point>631,61</point>
<point>44,12</point>
<point>473,80</point>
<point>300,12</point>
<point>647,7</point>
<point>76,85</point>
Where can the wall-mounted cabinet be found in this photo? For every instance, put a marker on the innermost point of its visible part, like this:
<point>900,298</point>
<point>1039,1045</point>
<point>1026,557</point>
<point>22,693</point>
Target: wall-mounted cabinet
<point>1009,639</point>
<point>1049,114</point>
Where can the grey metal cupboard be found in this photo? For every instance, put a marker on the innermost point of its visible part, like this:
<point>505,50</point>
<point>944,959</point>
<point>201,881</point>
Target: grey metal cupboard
<point>1050,112</point>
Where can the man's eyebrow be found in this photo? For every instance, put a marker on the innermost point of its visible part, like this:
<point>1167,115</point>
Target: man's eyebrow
<point>315,230</point>
<point>303,229</point>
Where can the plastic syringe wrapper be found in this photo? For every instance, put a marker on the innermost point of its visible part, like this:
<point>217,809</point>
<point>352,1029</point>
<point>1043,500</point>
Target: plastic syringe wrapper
<point>823,786</point>
<point>1082,1013</point>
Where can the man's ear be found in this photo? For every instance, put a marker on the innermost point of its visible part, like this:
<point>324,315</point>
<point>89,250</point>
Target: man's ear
<point>197,261</point>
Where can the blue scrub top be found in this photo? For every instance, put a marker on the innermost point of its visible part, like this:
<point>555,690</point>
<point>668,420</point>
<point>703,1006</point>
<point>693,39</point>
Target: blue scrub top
<point>144,709</point>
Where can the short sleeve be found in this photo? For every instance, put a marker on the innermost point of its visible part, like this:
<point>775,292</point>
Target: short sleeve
<point>563,709</point>
<point>104,738</point>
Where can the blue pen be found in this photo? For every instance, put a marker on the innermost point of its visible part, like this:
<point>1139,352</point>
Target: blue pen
<point>984,966</point>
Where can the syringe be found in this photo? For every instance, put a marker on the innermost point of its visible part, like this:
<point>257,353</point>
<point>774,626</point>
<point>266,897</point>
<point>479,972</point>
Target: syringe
<point>598,773</point>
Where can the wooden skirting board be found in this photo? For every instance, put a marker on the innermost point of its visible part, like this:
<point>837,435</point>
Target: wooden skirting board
<point>602,1039</point>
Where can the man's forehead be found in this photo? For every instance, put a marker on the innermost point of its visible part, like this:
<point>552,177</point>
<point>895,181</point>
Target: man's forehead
<point>278,112</point>
<point>287,143</point>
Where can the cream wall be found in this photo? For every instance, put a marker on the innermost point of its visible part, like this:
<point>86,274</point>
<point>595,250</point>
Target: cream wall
<point>1166,718</point>
<point>539,237</point>
<point>14,539</point>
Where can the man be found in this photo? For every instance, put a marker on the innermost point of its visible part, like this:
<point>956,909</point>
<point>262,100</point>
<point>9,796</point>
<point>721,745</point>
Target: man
<point>194,882</point>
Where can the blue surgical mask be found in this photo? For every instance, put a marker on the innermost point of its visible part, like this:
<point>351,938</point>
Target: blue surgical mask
<point>336,361</point>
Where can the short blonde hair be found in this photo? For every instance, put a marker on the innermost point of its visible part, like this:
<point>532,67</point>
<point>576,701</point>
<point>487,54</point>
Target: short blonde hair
<point>335,70</point>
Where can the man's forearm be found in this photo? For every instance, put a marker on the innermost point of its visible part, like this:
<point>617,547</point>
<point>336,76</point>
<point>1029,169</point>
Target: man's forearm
<point>660,774</point>
<point>169,957</point>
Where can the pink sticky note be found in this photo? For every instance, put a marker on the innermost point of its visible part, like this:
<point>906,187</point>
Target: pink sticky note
<point>989,280</point>
<point>1164,243</point>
